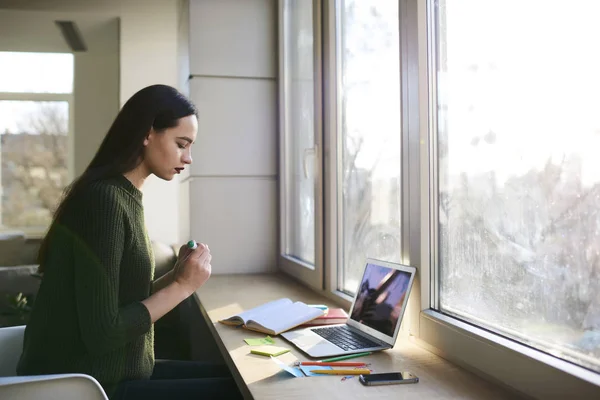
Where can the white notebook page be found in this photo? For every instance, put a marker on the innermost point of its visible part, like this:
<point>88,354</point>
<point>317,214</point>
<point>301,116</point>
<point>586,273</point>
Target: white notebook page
<point>290,316</point>
<point>267,309</point>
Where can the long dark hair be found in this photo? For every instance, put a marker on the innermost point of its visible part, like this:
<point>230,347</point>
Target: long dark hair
<point>156,107</point>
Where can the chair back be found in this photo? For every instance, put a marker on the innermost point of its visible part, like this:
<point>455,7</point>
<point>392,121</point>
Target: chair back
<point>11,346</point>
<point>39,387</point>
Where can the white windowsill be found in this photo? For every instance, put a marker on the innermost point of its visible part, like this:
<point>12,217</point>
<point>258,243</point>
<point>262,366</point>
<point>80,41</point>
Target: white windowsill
<point>504,361</point>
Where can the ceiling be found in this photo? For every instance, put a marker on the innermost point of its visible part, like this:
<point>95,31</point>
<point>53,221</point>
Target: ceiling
<point>65,5</point>
<point>35,31</point>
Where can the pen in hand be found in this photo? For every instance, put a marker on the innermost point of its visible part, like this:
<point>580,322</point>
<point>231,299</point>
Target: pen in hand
<point>192,245</point>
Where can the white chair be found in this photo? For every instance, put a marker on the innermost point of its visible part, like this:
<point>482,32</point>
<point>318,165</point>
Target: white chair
<point>47,387</point>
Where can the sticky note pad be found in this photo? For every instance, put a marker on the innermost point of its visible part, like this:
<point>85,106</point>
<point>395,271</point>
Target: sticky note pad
<point>269,351</point>
<point>261,341</point>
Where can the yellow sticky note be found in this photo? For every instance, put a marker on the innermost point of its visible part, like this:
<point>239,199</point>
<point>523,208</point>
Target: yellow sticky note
<point>268,351</point>
<point>261,341</point>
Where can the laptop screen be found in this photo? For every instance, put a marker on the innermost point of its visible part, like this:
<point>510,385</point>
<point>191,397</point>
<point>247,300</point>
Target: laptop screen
<point>380,298</point>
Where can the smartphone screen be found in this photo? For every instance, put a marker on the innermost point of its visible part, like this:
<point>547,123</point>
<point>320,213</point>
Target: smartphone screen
<point>388,378</point>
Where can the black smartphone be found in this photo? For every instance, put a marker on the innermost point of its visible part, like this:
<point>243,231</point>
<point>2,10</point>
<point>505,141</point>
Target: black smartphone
<point>390,378</point>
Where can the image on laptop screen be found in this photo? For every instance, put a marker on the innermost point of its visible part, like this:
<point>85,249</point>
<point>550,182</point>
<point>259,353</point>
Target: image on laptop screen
<point>380,298</point>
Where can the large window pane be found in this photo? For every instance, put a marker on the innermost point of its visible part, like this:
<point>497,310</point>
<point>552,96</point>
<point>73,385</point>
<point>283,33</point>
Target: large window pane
<point>36,72</point>
<point>519,172</point>
<point>33,160</point>
<point>369,103</point>
<point>299,92</point>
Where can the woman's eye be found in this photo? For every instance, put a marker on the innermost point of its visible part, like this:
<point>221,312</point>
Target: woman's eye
<point>181,146</point>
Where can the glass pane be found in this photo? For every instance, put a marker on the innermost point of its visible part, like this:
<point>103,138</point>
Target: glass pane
<point>369,101</point>
<point>519,172</point>
<point>36,72</point>
<point>33,159</point>
<point>299,117</point>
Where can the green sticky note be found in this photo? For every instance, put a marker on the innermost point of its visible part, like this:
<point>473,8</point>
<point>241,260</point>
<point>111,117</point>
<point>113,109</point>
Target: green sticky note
<point>258,342</point>
<point>270,351</point>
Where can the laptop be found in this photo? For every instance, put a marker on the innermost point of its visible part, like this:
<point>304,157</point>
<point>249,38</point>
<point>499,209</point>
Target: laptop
<point>374,319</point>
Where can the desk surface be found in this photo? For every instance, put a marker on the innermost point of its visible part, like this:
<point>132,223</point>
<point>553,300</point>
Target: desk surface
<point>260,378</point>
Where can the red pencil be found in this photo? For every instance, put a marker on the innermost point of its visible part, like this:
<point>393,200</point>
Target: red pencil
<point>334,364</point>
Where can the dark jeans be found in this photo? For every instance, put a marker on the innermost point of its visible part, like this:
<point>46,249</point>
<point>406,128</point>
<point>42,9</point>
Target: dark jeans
<point>181,380</point>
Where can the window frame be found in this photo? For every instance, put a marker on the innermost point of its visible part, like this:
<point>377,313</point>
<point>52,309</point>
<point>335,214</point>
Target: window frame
<point>309,274</point>
<point>513,365</point>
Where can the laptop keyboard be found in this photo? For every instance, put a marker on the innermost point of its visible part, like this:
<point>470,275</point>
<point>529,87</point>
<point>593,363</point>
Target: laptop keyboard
<point>345,338</point>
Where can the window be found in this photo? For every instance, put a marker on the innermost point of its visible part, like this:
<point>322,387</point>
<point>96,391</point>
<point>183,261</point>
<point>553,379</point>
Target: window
<point>36,72</point>
<point>368,100</point>
<point>518,131</point>
<point>35,92</point>
<point>301,188</point>
<point>299,59</point>
<point>468,149</point>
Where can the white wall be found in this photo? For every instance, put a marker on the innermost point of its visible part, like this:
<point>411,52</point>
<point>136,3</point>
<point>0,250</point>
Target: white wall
<point>149,43</point>
<point>183,46</point>
<point>183,57</point>
<point>16,33</point>
<point>95,90</point>
<point>233,181</point>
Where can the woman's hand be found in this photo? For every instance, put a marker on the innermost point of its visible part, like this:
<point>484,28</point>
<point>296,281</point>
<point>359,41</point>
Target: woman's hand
<point>193,267</point>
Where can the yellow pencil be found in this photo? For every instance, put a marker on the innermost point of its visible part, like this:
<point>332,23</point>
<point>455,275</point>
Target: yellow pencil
<point>341,371</point>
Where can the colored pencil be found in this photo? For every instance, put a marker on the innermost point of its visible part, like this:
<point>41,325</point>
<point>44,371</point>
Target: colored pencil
<point>346,357</point>
<point>341,371</point>
<point>334,364</point>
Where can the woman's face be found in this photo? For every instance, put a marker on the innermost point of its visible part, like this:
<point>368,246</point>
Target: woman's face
<point>168,152</point>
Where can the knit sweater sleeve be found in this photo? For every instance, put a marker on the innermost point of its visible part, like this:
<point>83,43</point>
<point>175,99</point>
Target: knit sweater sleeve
<point>99,232</point>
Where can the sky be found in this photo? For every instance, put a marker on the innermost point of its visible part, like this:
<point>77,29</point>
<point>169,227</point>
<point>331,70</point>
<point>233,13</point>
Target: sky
<point>372,86</point>
<point>526,70</point>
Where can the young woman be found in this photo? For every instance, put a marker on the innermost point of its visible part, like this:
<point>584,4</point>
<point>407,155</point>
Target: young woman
<point>97,303</point>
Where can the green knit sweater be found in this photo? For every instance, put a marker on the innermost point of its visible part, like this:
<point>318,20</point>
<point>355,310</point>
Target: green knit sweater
<point>88,316</point>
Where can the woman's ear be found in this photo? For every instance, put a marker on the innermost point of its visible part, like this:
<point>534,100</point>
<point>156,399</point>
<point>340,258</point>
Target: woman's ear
<point>147,138</point>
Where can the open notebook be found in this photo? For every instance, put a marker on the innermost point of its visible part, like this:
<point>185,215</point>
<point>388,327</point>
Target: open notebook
<point>274,317</point>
